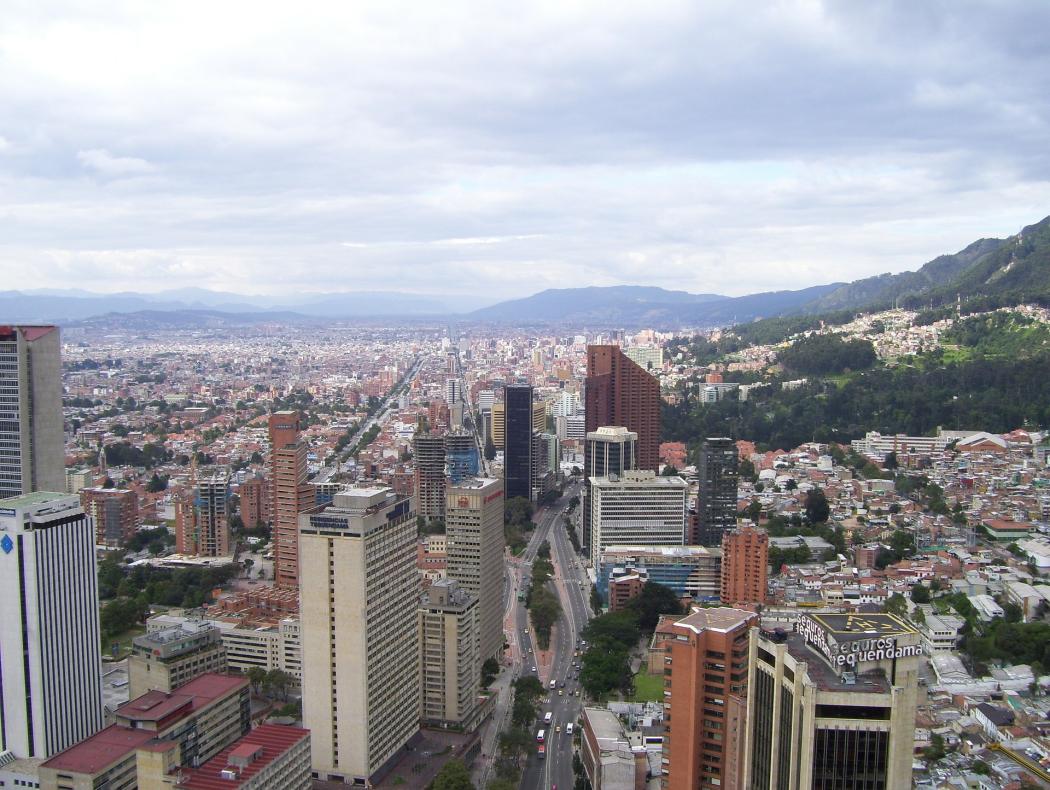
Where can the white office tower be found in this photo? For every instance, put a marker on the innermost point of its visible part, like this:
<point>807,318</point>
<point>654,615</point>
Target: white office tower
<point>32,445</point>
<point>50,662</point>
<point>485,399</point>
<point>359,592</point>
<point>636,508</point>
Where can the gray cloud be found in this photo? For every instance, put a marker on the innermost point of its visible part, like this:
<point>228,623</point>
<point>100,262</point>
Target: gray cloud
<point>507,148</point>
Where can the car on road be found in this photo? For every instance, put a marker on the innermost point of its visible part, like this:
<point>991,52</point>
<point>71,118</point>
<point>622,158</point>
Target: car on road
<point>561,692</point>
<point>534,669</point>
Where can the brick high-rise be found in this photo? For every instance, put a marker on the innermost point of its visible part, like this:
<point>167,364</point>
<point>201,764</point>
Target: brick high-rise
<point>290,494</point>
<point>621,392</point>
<point>705,670</point>
<point>745,566</point>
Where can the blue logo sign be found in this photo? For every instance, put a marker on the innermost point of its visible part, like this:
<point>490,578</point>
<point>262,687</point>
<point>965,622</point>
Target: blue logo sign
<point>7,544</point>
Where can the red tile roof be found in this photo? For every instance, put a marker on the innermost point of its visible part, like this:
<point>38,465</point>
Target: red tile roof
<point>274,739</point>
<point>100,751</point>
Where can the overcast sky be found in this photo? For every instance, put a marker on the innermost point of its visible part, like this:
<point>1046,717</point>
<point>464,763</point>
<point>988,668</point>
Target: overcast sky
<point>497,149</point>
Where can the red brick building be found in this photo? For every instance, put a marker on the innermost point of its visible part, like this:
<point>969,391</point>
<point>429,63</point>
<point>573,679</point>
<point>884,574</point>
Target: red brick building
<point>115,511</point>
<point>745,566</point>
<point>620,392</point>
<point>290,493</point>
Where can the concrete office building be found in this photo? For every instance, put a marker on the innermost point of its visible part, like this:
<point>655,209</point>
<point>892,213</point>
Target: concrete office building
<point>200,719</point>
<point>832,704</point>
<point>32,443</point>
<point>115,512</point>
<point>518,446</point>
<point>453,391</point>
<point>745,566</point>
<point>650,358</point>
<point>449,661</point>
<point>213,512</point>
<point>637,508</point>
<point>51,672</point>
<point>428,456</point>
<point>269,757</point>
<point>621,392</point>
<point>164,660</point>
<point>691,571</point>
<point>705,664</point>
<point>716,501</point>
<point>609,450</point>
<point>290,493</point>
<point>359,632</point>
<point>474,544</point>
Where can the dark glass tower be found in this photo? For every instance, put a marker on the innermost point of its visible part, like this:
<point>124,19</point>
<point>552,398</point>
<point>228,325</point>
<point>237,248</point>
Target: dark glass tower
<point>716,504</point>
<point>517,453</point>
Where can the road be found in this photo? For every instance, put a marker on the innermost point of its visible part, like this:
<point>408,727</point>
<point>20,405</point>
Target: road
<point>383,413</point>
<point>570,583</point>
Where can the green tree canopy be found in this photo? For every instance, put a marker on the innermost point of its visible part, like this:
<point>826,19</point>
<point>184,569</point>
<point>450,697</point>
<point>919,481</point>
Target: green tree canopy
<point>453,776</point>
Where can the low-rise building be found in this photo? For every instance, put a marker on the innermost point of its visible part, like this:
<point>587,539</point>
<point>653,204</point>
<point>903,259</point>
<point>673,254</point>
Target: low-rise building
<point>164,660</point>
<point>270,756</point>
<point>608,758</point>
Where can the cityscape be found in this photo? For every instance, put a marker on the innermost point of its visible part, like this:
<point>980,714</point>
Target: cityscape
<point>388,401</point>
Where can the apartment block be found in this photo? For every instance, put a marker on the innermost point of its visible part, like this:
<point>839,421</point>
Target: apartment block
<point>705,666</point>
<point>745,566</point>
<point>115,512</point>
<point>290,493</point>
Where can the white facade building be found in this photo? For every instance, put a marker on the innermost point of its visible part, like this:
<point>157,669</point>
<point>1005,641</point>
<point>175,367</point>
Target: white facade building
<point>636,508</point>
<point>51,673</point>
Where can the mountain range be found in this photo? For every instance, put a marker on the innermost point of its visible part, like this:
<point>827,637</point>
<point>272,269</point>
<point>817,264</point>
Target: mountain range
<point>988,271</point>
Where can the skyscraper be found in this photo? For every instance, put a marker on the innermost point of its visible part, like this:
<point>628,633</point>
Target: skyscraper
<point>832,704</point>
<point>290,493</point>
<point>213,512</point>
<point>51,673</point>
<point>32,445</point>
<point>620,392</point>
<point>360,641</point>
<point>716,501</point>
<point>428,457</point>
<point>705,665</point>
<point>475,543</point>
<point>745,566</point>
<point>517,453</point>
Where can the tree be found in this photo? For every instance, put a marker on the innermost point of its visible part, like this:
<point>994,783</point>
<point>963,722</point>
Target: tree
<point>896,604</point>
<point>817,508</point>
<point>490,449</point>
<point>902,544</point>
<point>920,594</point>
<point>890,462</point>
<point>654,600</point>
<point>277,682</point>
<point>256,677</point>
<point>157,483</point>
<point>453,776</point>
<point>489,670</point>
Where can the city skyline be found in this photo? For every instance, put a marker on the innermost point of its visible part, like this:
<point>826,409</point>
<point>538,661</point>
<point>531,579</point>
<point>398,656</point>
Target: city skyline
<point>389,148</point>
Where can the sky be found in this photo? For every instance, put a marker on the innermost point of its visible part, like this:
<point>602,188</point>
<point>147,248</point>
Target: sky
<point>491,150</point>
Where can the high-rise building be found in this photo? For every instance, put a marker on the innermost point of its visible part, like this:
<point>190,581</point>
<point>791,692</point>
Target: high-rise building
<point>115,512</point>
<point>253,498</point>
<point>705,664</point>
<point>620,392</point>
<point>637,508</point>
<point>213,512</point>
<point>498,418</point>
<point>716,500</point>
<point>449,661</point>
<point>428,457</point>
<point>517,451</point>
<point>32,443</point>
<point>486,398</point>
<point>832,704</point>
<point>691,571</point>
<point>186,535</point>
<point>745,566</point>
<point>290,493</point>
<point>360,637</point>
<point>474,544</point>
<point>609,450</point>
<point>461,456</point>
<point>51,679</point>
<point>453,391</point>
<point>649,358</point>
<point>171,657</point>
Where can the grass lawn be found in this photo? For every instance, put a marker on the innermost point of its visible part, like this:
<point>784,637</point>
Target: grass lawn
<point>123,641</point>
<point>648,688</point>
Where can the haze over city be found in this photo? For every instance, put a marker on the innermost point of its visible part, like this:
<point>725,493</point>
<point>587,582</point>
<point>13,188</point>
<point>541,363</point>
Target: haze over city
<point>487,151</point>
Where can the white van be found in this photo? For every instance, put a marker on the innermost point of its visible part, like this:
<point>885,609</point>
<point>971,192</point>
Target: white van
<point>568,728</point>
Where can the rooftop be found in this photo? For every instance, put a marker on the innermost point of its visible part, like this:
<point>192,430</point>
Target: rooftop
<point>721,619</point>
<point>100,751</point>
<point>248,756</point>
<point>826,679</point>
<point>850,627</point>
<point>34,498</point>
